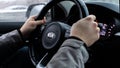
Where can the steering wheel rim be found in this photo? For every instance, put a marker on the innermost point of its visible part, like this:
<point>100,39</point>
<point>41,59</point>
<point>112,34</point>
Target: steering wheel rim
<point>83,13</point>
<point>55,2</point>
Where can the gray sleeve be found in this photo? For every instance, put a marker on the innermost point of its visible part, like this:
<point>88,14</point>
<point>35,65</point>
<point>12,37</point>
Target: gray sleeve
<point>72,54</point>
<point>9,43</point>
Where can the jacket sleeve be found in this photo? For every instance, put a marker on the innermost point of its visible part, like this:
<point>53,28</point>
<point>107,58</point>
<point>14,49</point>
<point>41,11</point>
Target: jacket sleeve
<point>72,54</point>
<point>9,44</point>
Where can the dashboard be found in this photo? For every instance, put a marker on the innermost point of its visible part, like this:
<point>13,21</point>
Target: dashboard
<point>107,18</point>
<point>104,53</point>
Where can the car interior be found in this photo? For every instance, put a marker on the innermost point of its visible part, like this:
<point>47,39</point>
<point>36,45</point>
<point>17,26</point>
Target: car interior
<point>60,15</point>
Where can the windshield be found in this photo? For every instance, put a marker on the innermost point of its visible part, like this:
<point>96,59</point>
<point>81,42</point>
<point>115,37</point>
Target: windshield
<point>15,10</point>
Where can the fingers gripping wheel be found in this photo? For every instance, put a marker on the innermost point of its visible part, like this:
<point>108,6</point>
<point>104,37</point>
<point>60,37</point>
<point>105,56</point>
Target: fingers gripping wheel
<point>46,43</point>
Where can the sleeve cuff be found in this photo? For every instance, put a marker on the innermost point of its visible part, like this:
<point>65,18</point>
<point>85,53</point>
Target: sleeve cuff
<point>73,37</point>
<point>21,35</point>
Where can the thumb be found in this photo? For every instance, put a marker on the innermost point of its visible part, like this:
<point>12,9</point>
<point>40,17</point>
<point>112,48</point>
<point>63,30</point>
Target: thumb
<point>91,17</point>
<point>39,22</point>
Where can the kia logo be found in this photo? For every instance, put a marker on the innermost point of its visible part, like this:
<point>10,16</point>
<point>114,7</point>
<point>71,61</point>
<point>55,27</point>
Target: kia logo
<point>51,35</point>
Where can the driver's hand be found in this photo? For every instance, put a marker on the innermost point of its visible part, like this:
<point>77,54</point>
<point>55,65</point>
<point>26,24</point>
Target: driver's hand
<point>30,25</point>
<point>86,29</point>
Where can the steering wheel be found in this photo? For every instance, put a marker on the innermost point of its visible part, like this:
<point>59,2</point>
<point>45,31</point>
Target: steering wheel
<point>47,38</point>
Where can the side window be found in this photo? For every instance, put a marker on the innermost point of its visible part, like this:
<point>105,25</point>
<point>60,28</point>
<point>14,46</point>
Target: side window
<point>15,10</point>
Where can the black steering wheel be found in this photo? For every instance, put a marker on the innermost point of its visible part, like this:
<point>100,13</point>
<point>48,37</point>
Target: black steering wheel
<point>47,38</point>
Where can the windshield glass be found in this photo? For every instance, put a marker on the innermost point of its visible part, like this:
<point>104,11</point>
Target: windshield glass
<point>15,10</point>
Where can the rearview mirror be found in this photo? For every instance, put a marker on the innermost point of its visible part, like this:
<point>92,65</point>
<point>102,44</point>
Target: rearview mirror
<point>34,9</point>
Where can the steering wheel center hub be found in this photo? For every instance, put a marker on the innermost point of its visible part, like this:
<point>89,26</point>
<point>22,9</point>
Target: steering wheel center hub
<point>51,35</point>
